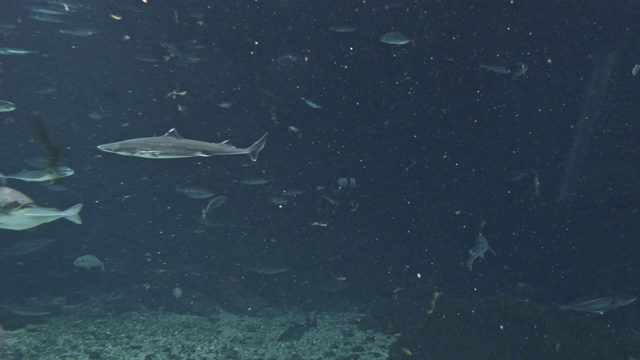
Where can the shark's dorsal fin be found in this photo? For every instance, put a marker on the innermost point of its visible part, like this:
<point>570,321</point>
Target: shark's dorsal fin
<point>173,133</point>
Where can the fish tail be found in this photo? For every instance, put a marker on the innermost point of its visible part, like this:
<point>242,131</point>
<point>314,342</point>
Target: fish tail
<point>254,149</point>
<point>73,214</point>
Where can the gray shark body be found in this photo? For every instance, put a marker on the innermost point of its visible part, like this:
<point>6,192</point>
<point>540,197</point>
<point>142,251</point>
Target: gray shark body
<point>172,146</point>
<point>600,305</point>
<point>481,247</point>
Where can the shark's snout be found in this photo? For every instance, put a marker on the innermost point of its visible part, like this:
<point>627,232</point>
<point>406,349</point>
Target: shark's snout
<point>108,147</point>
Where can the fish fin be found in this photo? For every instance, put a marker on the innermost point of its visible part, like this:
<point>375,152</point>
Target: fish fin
<point>73,214</point>
<point>254,149</point>
<point>173,133</point>
<point>491,249</point>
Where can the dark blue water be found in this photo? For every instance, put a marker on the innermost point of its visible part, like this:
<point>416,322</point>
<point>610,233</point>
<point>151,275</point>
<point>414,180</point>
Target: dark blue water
<point>426,133</point>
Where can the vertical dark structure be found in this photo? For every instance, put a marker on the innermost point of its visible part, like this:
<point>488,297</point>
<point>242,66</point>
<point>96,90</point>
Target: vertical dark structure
<point>591,109</point>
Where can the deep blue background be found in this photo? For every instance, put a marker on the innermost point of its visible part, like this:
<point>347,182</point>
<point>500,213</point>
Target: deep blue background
<point>422,129</point>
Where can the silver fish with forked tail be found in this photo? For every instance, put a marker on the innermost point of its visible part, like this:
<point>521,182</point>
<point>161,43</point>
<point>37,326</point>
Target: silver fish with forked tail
<point>30,216</point>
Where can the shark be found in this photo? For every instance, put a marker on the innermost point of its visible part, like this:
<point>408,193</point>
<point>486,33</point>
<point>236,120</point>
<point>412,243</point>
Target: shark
<point>481,247</point>
<point>172,146</point>
<point>600,304</point>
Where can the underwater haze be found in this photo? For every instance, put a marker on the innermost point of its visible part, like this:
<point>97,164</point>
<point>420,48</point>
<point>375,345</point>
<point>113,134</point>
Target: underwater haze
<point>440,180</point>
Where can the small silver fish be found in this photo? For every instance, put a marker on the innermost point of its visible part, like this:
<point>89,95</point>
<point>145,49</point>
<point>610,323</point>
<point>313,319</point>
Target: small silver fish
<point>6,106</point>
<point>518,69</point>
<point>41,175</point>
<point>266,269</point>
<point>97,115</point>
<point>214,203</point>
<point>145,58</point>
<point>332,200</point>
<point>255,181</point>
<point>46,10</point>
<point>195,192</point>
<point>395,38</point>
<point>79,32</point>
<point>292,192</point>
<point>312,104</point>
<point>13,51</point>
<point>88,262</point>
<point>344,28</point>
<point>46,18</point>
<point>190,59</point>
<point>279,201</point>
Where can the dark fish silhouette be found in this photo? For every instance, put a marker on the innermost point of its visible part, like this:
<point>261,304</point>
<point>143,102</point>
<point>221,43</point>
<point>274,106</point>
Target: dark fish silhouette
<point>297,331</point>
<point>599,305</point>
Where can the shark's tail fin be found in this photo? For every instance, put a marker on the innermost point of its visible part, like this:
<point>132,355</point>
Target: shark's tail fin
<point>73,214</point>
<point>254,149</point>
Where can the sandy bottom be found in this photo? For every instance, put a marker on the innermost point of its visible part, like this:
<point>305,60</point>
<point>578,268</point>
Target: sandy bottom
<point>79,333</point>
